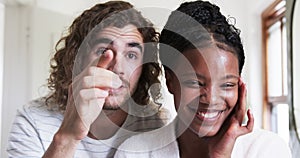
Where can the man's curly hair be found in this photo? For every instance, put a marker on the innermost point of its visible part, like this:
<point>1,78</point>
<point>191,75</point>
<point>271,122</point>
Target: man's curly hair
<point>199,24</point>
<point>68,46</point>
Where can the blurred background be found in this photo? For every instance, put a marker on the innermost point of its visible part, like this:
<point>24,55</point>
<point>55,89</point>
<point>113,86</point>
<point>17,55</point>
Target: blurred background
<point>29,30</point>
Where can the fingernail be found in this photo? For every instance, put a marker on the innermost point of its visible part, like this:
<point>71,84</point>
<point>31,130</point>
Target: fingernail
<point>250,112</point>
<point>105,54</point>
<point>105,93</point>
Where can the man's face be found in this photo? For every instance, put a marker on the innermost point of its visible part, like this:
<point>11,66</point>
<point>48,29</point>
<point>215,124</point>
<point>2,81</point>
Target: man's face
<point>128,49</point>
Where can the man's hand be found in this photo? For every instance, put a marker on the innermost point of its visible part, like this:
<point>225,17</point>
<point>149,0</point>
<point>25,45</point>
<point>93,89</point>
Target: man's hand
<point>86,98</point>
<point>87,95</point>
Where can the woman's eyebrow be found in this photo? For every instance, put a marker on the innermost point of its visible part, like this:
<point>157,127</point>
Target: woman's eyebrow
<point>230,76</point>
<point>193,74</point>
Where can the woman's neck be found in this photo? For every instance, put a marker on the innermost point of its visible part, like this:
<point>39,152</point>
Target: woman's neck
<point>190,144</point>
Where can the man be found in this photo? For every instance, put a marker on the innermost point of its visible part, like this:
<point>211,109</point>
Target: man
<point>100,79</point>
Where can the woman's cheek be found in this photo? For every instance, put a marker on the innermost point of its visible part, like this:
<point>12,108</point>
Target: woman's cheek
<point>189,95</point>
<point>231,97</point>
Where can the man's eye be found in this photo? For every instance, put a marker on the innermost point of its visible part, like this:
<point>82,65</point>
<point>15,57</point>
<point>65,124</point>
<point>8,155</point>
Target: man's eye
<point>101,51</point>
<point>193,83</point>
<point>132,55</point>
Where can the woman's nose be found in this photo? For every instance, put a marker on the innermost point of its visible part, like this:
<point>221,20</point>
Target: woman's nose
<point>209,95</point>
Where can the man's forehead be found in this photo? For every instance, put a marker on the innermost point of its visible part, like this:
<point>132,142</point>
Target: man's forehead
<point>127,32</point>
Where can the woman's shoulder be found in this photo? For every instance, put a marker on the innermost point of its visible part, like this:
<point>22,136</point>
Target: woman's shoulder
<point>147,149</point>
<point>261,143</point>
<point>261,135</point>
<point>155,142</point>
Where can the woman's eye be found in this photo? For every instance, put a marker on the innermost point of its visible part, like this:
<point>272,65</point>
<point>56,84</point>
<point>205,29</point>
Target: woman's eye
<point>228,85</point>
<point>132,55</point>
<point>101,51</point>
<point>193,83</point>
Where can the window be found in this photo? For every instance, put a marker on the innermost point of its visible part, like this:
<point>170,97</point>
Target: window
<point>276,103</point>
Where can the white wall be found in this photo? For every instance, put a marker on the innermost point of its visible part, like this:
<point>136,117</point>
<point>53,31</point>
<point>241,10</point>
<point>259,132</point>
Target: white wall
<point>44,34</point>
<point>30,33</point>
<point>2,10</point>
<point>15,80</point>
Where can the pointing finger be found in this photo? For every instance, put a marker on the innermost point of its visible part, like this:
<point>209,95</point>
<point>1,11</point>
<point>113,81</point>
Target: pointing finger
<point>105,59</point>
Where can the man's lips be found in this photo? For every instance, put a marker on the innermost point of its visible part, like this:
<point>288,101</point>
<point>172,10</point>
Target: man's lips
<point>125,84</point>
<point>116,90</point>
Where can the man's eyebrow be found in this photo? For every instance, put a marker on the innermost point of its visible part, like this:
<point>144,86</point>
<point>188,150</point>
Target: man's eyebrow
<point>109,41</point>
<point>135,44</point>
<point>101,40</point>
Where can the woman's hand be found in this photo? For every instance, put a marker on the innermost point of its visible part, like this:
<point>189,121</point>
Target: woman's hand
<point>221,145</point>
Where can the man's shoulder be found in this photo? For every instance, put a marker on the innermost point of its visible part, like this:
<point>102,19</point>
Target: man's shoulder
<point>37,110</point>
<point>149,111</point>
<point>34,123</point>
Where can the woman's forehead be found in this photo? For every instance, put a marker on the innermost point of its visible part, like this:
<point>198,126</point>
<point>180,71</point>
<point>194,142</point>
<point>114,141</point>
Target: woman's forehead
<point>208,61</point>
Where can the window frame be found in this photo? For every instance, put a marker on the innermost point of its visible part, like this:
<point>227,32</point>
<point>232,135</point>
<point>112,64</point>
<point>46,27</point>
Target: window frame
<point>270,16</point>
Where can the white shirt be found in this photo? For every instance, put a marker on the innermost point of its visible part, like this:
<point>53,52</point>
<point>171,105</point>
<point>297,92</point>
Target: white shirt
<point>162,143</point>
<point>35,125</point>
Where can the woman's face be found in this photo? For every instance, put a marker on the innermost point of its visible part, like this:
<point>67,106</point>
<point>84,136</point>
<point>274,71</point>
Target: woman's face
<point>206,92</point>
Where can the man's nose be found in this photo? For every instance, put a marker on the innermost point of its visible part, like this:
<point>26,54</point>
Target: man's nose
<point>116,65</point>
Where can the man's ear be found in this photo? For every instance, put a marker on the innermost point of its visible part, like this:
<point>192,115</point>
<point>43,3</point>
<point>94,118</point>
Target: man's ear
<point>170,80</point>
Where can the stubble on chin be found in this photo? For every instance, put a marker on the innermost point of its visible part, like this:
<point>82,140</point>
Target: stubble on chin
<point>115,103</point>
<point>110,107</point>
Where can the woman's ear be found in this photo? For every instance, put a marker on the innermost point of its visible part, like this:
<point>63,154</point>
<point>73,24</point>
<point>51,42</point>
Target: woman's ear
<point>170,80</point>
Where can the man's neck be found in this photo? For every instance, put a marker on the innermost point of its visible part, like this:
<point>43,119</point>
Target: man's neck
<point>108,123</point>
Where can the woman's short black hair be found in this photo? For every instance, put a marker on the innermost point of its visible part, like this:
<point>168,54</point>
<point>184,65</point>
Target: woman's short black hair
<point>198,24</point>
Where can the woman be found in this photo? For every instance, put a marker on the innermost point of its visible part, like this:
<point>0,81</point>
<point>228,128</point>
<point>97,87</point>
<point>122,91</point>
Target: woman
<point>207,59</point>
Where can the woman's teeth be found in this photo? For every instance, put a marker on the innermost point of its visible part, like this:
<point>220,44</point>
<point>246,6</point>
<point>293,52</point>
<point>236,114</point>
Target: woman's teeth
<point>208,115</point>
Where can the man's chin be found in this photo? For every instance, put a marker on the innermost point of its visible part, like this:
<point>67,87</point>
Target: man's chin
<point>112,104</point>
<point>111,107</point>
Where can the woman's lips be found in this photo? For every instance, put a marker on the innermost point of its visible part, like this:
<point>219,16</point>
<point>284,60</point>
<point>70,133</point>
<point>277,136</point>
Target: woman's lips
<point>208,115</point>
